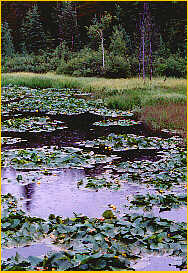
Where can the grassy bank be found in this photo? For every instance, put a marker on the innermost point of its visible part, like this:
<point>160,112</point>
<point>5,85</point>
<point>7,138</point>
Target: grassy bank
<point>160,102</point>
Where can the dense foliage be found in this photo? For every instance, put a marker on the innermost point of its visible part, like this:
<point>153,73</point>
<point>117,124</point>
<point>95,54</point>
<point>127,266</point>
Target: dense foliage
<point>64,36</point>
<point>7,43</point>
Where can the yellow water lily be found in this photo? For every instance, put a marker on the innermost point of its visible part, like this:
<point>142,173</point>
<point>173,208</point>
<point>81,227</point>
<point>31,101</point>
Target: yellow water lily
<point>113,207</point>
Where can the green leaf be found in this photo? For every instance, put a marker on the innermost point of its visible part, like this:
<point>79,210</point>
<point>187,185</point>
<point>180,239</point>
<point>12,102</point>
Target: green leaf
<point>34,260</point>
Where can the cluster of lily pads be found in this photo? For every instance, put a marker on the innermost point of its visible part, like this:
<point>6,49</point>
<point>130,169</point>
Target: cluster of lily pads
<point>106,243</point>
<point>34,124</point>
<point>170,170</point>
<point>108,182</point>
<point>17,227</point>
<point>29,177</point>
<point>167,173</point>
<point>10,93</point>
<point>53,101</point>
<point>120,122</point>
<point>53,157</point>
<point>165,202</point>
<point>131,141</point>
<point>11,140</point>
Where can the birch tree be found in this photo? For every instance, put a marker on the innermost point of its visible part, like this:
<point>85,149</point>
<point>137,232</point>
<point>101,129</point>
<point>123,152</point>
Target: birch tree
<point>96,30</point>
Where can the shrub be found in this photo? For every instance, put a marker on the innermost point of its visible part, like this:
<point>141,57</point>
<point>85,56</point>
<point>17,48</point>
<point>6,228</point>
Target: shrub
<point>173,66</point>
<point>120,41</point>
<point>117,67</point>
<point>134,66</point>
<point>88,62</point>
<point>30,63</point>
<point>85,63</point>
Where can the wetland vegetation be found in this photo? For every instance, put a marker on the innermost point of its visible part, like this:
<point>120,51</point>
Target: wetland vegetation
<point>138,177</point>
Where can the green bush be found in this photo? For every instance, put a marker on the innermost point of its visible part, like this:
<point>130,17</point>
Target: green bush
<point>134,66</point>
<point>173,66</point>
<point>30,63</point>
<point>85,63</point>
<point>117,67</point>
<point>89,63</point>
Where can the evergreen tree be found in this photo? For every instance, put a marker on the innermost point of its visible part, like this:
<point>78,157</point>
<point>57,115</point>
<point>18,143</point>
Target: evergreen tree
<point>163,50</point>
<point>68,24</point>
<point>7,46</point>
<point>32,31</point>
<point>120,41</point>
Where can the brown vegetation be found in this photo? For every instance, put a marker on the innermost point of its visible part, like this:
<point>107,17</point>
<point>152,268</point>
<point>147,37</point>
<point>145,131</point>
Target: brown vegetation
<point>168,116</point>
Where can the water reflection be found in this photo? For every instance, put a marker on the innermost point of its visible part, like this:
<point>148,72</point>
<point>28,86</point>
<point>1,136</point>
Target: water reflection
<point>28,192</point>
<point>26,251</point>
<point>58,194</point>
<point>159,263</point>
<point>8,172</point>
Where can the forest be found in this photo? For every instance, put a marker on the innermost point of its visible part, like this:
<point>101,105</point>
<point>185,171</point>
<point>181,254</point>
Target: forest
<point>95,38</point>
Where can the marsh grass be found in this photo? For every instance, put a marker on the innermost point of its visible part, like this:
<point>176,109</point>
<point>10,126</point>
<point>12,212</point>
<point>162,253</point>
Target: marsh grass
<point>133,99</point>
<point>99,84</point>
<point>171,116</point>
<point>33,80</point>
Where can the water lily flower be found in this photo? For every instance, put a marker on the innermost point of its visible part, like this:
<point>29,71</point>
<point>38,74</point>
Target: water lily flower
<point>113,207</point>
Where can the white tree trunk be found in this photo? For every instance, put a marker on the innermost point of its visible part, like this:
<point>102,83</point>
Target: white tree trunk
<point>143,51</point>
<point>102,46</point>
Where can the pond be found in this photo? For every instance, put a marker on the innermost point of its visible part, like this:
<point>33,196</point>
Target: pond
<point>88,188</point>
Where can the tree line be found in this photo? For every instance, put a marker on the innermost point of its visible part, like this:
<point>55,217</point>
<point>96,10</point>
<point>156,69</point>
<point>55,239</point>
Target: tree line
<point>116,37</point>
